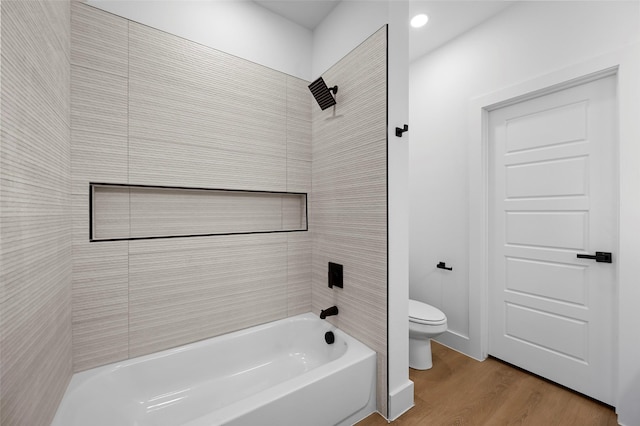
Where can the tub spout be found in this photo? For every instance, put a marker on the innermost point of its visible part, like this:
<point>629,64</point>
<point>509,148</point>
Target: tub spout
<point>329,312</point>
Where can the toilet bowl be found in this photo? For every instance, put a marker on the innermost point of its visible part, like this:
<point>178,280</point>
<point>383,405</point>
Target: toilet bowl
<point>425,322</point>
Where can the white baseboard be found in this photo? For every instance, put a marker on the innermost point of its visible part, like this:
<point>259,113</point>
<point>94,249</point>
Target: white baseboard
<point>400,400</point>
<point>460,343</point>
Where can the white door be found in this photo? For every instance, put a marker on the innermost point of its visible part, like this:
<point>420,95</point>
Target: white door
<point>553,197</point>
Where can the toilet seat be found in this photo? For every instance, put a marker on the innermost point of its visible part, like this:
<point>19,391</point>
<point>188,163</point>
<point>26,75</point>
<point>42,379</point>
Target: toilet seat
<point>423,313</point>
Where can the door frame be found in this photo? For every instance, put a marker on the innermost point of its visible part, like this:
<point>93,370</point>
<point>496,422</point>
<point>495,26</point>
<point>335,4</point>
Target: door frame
<point>625,64</point>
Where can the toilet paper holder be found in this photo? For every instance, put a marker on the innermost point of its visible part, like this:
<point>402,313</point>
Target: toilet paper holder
<point>442,265</point>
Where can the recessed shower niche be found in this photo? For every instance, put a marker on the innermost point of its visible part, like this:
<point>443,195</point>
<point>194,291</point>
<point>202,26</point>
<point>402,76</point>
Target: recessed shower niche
<point>132,212</point>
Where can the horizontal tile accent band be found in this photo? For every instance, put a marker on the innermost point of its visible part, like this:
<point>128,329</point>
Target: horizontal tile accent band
<point>119,212</point>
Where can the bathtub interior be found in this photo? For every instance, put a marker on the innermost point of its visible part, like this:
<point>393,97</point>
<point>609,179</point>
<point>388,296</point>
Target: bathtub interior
<point>218,380</point>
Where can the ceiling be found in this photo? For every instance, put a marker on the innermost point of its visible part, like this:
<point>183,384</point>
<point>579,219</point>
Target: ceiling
<point>447,19</point>
<point>308,13</point>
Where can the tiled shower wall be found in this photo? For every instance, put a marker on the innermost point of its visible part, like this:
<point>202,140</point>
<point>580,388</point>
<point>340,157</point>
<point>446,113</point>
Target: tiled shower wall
<point>35,226</point>
<point>349,198</point>
<point>150,108</point>
<point>154,109</point>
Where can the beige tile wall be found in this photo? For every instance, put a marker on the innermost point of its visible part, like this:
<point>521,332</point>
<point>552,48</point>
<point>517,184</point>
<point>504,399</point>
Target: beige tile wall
<point>202,118</point>
<point>35,226</point>
<point>180,114</point>
<point>154,109</point>
<point>190,289</point>
<point>348,209</point>
<point>99,135</point>
<point>118,136</point>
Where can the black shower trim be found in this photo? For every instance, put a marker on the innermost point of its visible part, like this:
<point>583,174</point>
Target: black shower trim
<point>124,185</point>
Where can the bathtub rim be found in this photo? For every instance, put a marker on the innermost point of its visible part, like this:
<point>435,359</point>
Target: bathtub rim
<point>356,352</point>
<point>81,377</point>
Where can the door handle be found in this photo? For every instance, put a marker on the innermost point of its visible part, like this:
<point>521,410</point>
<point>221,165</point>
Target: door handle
<point>601,256</point>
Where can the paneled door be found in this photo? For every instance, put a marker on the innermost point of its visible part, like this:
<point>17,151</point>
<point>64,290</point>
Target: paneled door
<point>553,232</point>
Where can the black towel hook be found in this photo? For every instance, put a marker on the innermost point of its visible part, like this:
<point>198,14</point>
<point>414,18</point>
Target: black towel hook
<point>400,131</point>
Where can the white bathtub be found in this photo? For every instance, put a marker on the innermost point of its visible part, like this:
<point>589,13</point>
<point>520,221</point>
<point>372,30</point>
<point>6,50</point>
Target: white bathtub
<point>276,374</point>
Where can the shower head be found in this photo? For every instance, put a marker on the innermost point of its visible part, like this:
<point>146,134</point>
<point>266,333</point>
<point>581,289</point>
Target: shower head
<point>322,93</point>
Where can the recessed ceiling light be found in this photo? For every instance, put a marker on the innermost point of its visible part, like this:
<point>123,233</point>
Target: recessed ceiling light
<point>419,20</point>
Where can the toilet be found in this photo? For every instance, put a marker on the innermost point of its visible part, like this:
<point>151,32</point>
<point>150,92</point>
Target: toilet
<point>425,322</point>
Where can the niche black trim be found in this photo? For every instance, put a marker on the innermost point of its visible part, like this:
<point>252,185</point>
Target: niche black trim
<point>386,390</point>
<point>124,185</point>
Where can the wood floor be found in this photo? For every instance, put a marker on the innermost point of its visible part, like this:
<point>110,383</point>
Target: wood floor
<point>459,390</point>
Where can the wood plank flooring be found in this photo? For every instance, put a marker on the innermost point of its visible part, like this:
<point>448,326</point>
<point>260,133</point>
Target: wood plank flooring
<point>459,390</point>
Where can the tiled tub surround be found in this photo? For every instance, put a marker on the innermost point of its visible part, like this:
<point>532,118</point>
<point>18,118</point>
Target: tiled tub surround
<point>35,226</point>
<point>272,374</point>
<point>149,108</point>
<point>348,209</point>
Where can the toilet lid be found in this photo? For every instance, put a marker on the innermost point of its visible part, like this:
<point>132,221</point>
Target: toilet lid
<point>425,314</point>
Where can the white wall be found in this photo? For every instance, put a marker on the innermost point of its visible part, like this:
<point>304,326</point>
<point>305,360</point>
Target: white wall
<point>348,25</point>
<point>241,28</point>
<point>400,387</point>
<point>525,41</point>
<point>627,406</point>
<point>441,85</point>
